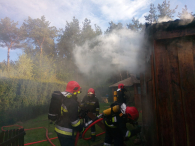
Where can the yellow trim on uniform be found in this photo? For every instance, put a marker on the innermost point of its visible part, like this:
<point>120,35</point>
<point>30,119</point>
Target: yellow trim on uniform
<point>77,124</point>
<point>63,110</point>
<point>69,96</point>
<point>64,132</point>
<point>111,126</point>
<point>113,119</point>
<point>129,133</point>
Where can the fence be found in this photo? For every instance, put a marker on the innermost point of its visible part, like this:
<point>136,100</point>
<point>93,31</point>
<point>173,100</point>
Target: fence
<point>14,137</point>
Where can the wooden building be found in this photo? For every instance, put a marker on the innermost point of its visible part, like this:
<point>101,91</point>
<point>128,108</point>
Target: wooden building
<point>132,84</point>
<point>168,85</point>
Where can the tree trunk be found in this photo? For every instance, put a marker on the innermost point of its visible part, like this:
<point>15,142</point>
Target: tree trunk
<point>8,58</point>
<point>41,50</point>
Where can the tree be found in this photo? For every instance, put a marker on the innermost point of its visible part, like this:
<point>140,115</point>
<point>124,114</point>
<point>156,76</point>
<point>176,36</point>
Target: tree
<point>165,11</point>
<point>10,36</point>
<point>39,32</point>
<point>152,16</point>
<point>24,67</point>
<point>68,39</point>
<point>135,25</point>
<point>114,26</point>
<point>66,43</point>
<point>87,32</point>
<point>185,14</point>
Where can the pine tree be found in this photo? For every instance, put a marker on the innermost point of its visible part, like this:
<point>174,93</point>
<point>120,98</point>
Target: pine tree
<point>152,16</point>
<point>10,36</point>
<point>185,14</point>
<point>165,11</point>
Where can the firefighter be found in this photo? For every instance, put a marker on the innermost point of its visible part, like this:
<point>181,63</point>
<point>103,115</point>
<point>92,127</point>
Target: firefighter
<point>121,94</point>
<point>116,125</point>
<point>91,104</point>
<point>68,123</point>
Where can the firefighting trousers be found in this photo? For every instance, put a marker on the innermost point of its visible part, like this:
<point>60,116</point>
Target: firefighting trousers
<point>92,128</point>
<point>66,140</point>
<point>113,135</point>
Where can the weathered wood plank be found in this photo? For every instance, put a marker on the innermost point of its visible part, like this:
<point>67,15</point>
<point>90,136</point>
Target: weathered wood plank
<point>17,141</point>
<point>178,119</point>
<point>14,134</point>
<point>174,34</point>
<point>10,136</point>
<point>186,68</point>
<point>6,136</point>
<point>163,95</point>
<point>1,136</point>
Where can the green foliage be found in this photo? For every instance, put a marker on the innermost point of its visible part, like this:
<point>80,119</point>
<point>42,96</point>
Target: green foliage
<point>113,26</point>
<point>68,39</point>
<point>39,32</point>
<point>135,25</point>
<point>87,32</point>
<point>152,16</point>
<point>23,99</point>
<point>24,67</point>
<point>10,35</point>
<point>45,70</point>
<point>164,10</point>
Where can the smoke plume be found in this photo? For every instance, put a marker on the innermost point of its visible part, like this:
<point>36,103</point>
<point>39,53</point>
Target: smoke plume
<point>186,18</point>
<point>164,19</point>
<point>119,50</point>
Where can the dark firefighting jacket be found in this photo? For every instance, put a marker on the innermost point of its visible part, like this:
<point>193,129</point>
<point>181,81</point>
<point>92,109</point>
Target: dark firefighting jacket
<point>69,123</point>
<point>118,122</point>
<point>121,96</point>
<point>91,104</point>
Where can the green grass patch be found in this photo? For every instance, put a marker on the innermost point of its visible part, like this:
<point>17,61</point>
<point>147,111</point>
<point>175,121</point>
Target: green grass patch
<point>42,121</point>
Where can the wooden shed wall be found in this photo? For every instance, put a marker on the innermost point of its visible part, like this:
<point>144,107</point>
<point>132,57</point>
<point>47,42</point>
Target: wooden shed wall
<point>168,93</point>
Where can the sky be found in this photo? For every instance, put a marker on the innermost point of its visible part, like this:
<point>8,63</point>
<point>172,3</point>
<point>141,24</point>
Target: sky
<point>100,12</point>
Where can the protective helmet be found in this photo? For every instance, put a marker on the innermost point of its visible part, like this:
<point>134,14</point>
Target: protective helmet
<point>120,86</point>
<point>73,87</point>
<point>91,91</point>
<point>132,113</point>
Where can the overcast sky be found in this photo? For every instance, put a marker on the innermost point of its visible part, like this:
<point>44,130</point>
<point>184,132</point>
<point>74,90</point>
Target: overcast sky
<point>100,12</point>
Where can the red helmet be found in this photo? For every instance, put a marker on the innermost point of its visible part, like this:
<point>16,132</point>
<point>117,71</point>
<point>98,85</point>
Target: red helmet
<point>132,113</point>
<point>73,87</point>
<point>120,86</point>
<point>91,91</point>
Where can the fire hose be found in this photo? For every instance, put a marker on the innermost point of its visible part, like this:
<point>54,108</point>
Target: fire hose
<point>90,123</point>
<point>93,123</point>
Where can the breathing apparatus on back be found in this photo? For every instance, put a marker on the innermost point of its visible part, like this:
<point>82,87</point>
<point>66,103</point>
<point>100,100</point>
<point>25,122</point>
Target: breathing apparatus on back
<point>130,112</point>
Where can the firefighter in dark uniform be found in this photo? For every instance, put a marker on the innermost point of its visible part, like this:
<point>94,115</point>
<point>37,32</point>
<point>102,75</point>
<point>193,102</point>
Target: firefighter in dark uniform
<point>91,104</point>
<point>116,125</point>
<point>68,123</point>
<point>121,94</point>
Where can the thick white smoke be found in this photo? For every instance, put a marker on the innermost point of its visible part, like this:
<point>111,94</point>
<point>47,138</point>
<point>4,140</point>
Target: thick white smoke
<point>120,50</point>
<point>186,18</point>
<point>164,19</point>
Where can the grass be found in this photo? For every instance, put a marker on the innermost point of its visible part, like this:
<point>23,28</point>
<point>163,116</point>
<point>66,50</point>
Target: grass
<point>39,134</point>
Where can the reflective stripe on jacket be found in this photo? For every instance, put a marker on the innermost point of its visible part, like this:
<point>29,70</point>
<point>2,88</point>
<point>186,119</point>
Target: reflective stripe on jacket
<point>69,121</point>
<point>118,122</point>
<point>64,131</point>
